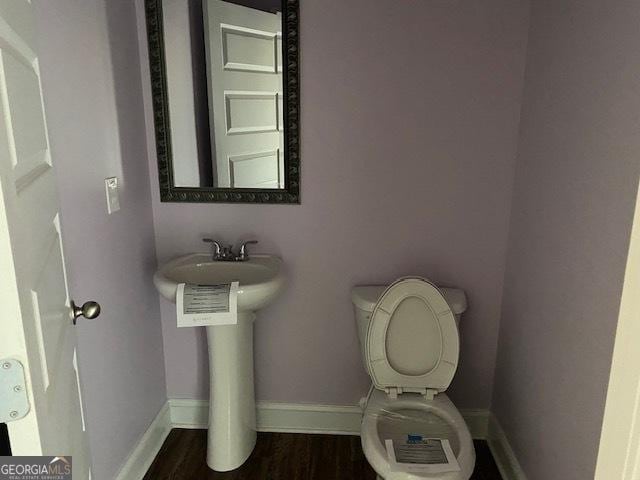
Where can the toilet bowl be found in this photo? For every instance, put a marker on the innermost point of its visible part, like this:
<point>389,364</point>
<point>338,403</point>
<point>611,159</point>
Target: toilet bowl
<point>385,418</point>
<point>409,340</point>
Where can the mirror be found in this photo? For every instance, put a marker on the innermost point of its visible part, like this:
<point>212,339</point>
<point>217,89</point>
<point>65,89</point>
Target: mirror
<point>225,91</point>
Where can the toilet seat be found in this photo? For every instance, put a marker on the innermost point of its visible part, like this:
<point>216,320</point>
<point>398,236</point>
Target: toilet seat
<point>414,408</point>
<point>412,340</point>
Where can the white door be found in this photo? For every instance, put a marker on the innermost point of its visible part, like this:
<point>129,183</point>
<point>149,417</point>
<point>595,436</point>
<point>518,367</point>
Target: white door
<point>34,304</point>
<point>619,453</point>
<point>244,74</point>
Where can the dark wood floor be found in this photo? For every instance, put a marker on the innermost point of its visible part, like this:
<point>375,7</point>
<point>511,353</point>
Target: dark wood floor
<point>283,456</point>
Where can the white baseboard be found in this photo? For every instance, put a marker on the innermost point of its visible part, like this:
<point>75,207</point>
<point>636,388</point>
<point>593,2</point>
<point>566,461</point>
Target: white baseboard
<point>304,418</point>
<point>187,413</point>
<point>502,452</point>
<point>270,417</point>
<point>477,421</point>
<point>143,454</point>
<point>277,417</point>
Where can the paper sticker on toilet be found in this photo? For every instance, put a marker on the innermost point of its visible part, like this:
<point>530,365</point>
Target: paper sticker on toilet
<point>415,454</point>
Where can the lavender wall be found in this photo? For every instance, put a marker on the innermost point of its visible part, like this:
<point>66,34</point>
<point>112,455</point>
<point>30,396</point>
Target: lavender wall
<point>409,129</point>
<point>92,91</point>
<point>574,196</point>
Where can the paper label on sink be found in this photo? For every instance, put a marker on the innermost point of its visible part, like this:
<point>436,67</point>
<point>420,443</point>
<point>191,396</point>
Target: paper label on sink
<point>207,305</point>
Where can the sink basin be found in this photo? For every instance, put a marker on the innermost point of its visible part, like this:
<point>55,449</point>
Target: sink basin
<point>232,410</point>
<point>260,278</point>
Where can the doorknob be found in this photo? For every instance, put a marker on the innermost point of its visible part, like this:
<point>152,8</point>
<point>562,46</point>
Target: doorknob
<point>89,310</point>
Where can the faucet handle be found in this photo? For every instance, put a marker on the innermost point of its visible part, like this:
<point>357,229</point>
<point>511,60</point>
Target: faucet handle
<point>216,246</point>
<point>244,253</point>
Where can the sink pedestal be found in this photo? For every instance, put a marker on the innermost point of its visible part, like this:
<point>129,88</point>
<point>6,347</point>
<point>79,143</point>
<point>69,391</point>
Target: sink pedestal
<point>232,408</point>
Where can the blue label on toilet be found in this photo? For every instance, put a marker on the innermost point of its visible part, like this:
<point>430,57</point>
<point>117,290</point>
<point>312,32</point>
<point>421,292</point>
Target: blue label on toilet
<point>414,438</point>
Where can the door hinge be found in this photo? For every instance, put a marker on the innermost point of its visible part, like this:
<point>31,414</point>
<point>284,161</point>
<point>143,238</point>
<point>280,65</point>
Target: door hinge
<point>14,401</point>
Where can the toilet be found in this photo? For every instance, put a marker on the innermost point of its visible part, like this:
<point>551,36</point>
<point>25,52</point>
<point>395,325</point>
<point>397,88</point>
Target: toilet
<point>409,341</point>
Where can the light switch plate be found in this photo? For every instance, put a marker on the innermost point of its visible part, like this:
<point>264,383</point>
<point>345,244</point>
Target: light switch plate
<point>113,194</point>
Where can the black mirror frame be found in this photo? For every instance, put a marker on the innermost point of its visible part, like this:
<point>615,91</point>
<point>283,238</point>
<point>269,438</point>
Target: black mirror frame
<point>291,85</point>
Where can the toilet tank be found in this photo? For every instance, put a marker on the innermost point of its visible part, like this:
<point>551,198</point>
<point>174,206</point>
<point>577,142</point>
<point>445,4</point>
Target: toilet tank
<point>364,300</point>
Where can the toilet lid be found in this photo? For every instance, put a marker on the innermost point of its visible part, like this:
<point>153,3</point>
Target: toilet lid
<point>412,338</point>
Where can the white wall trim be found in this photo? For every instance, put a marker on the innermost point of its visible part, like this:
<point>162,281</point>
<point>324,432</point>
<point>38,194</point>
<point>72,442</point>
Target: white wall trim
<point>502,452</point>
<point>478,422</point>
<point>277,417</point>
<point>270,417</point>
<point>304,418</point>
<point>308,418</point>
<point>143,454</point>
<point>187,413</point>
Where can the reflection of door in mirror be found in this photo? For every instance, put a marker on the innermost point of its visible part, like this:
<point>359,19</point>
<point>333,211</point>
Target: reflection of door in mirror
<point>244,71</point>
<point>224,84</point>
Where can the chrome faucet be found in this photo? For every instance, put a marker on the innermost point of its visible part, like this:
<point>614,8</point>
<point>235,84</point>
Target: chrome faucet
<point>221,253</point>
<point>243,254</point>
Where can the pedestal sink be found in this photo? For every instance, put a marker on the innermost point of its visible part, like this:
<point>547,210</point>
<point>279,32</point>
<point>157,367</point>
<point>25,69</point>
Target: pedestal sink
<point>232,413</point>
